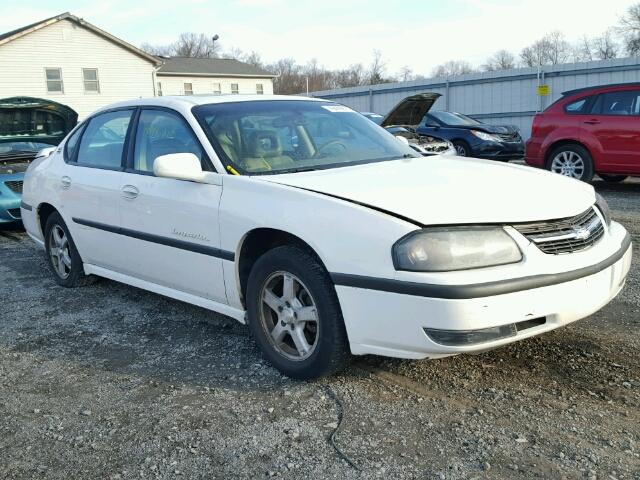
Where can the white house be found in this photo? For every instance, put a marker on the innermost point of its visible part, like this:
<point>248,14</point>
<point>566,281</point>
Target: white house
<point>72,62</point>
<point>192,76</point>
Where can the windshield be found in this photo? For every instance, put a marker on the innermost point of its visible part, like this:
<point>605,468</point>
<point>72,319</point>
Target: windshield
<point>279,136</point>
<point>17,147</point>
<point>455,119</point>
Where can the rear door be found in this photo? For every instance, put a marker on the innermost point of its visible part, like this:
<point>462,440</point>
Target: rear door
<point>614,123</point>
<point>90,183</point>
<point>170,227</point>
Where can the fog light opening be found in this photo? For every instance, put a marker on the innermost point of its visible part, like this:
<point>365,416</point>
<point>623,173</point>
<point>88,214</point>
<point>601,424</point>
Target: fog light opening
<point>454,338</point>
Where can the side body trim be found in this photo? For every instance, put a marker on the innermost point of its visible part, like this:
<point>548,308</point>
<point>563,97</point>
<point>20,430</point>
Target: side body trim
<point>169,242</point>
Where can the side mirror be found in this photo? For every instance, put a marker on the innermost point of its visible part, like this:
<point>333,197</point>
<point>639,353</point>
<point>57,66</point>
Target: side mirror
<point>183,166</point>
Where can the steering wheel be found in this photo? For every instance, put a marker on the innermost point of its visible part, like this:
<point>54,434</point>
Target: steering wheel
<point>329,144</point>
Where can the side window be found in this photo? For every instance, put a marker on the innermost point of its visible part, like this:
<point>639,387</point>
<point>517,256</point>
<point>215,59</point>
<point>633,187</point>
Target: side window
<point>72,144</point>
<point>159,133</point>
<point>620,103</point>
<point>576,107</point>
<point>103,140</point>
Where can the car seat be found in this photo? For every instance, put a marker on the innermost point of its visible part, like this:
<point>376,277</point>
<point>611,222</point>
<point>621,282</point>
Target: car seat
<point>264,152</point>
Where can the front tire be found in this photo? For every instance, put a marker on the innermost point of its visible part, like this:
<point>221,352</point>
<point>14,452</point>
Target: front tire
<point>294,314</point>
<point>462,148</point>
<point>572,161</point>
<point>62,255</point>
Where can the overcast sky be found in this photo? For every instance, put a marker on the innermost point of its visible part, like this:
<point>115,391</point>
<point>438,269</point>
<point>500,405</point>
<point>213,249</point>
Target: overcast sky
<point>420,34</point>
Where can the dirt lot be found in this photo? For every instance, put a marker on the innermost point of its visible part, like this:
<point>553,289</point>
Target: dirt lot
<point>113,382</point>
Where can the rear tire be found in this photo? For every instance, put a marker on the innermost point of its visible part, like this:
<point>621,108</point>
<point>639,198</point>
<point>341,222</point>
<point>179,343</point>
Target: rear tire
<point>573,161</point>
<point>300,330</point>
<point>62,255</point>
<point>613,178</point>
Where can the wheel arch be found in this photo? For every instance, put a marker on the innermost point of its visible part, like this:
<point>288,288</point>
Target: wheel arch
<point>256,243</point>
<point>43,212</point>
<point>559,143</point>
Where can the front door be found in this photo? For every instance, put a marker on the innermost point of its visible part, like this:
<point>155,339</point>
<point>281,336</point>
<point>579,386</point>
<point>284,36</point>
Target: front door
<point>170,227</point>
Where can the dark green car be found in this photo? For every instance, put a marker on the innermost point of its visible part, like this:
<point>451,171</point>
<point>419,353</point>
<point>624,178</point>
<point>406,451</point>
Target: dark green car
<point>27,125</point>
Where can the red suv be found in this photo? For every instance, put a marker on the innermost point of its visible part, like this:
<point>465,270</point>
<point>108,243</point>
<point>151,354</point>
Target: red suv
<point>588,131</point>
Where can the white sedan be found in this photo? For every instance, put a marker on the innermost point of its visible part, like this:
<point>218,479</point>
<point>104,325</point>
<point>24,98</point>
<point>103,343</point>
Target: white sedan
<point>320,230</point>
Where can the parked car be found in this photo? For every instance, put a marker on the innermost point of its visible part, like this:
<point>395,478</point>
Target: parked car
<point>27,125</point>
<point>320,230</point>
<point>473,138</point>
<point>588,131</point>
<point>403,119</point>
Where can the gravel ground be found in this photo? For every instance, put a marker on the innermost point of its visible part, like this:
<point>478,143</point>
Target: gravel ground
<point>112,382</point>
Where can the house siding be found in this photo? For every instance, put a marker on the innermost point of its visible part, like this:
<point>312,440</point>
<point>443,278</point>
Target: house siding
<point>174,85</point>
<point>123,75</point>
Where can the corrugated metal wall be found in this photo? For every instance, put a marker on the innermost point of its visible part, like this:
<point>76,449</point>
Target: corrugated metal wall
<point>505,97</point>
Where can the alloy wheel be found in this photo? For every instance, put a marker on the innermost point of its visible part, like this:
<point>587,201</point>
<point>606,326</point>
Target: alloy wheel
<point>460,150</point>
<point>568,163</point>
<point>59,251</point>
<point>289,316</point>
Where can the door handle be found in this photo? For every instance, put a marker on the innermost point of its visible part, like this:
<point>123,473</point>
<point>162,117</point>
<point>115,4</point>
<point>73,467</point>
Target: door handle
<point>592,122</point>
<point>129,192</point>
<point>66,182</point>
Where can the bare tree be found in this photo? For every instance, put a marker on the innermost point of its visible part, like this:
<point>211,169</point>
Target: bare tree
<point>583,51</point>
<point>377,69</point>
<point>351,76</point>
<point>452,68</point>
<point>551,49</point>
<point>188,45</point>
<point>406,74</point>
<point>501,60</point>
<point>630,29</point>
<point>605,46</point>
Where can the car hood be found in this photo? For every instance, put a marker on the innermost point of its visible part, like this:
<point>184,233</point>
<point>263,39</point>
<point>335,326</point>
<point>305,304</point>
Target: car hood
<point>485,127</point>
<point>448,190</point>
<point>411,110</point>
<point>28,119</point>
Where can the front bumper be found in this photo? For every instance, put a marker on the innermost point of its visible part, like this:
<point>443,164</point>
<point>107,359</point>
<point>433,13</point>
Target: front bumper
<point>9,200</point>
<point>393,324</point>
<point>499,150</point>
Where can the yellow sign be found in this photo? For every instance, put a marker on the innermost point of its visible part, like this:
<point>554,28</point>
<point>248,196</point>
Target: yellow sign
<point>544,90</point>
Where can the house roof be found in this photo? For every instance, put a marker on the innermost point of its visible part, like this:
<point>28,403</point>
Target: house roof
<point>20,32</point>
<point>210,67</point>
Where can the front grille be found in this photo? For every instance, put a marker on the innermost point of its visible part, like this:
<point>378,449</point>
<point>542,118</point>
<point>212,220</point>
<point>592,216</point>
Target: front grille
<point>566,235</point>
<point>15,213</point>
<point>509,137</point>
<point>15,185</point>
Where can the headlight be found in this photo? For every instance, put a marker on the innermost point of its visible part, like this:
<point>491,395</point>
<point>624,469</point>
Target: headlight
<point>603,206</point>
<point>487,137</point>
<point>459,248</point>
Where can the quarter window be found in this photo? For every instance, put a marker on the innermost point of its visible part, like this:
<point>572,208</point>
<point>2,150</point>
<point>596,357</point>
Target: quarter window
<point>161,133</point>
<point>90,77</point>
<point>54,80</point>
<point>259,89</point>
<point>188,88</point>
<point>234,88</point>
<point>102,143</point>
<point>576,107</point>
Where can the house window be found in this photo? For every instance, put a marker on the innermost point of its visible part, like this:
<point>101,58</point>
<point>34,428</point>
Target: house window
<point>54,80</point>
<point>188,88</point>
<point>159,89</point>
<point>234,88</point>
<point>91,83</point>
<point>217,89</point>
<point>259,89</point>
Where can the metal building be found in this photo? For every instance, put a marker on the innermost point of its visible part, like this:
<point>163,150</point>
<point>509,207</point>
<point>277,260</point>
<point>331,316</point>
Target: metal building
<point>504,97</point>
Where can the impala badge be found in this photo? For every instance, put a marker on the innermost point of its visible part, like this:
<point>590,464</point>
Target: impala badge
<point>193,236</point>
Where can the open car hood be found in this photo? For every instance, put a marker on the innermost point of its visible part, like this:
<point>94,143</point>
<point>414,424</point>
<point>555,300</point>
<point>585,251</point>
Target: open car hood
<point>411,110</point>
<point>28,119</point>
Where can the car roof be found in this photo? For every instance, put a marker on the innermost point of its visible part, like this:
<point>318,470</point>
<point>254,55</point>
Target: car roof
<point>186,102</point>
<point>600,87</point>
